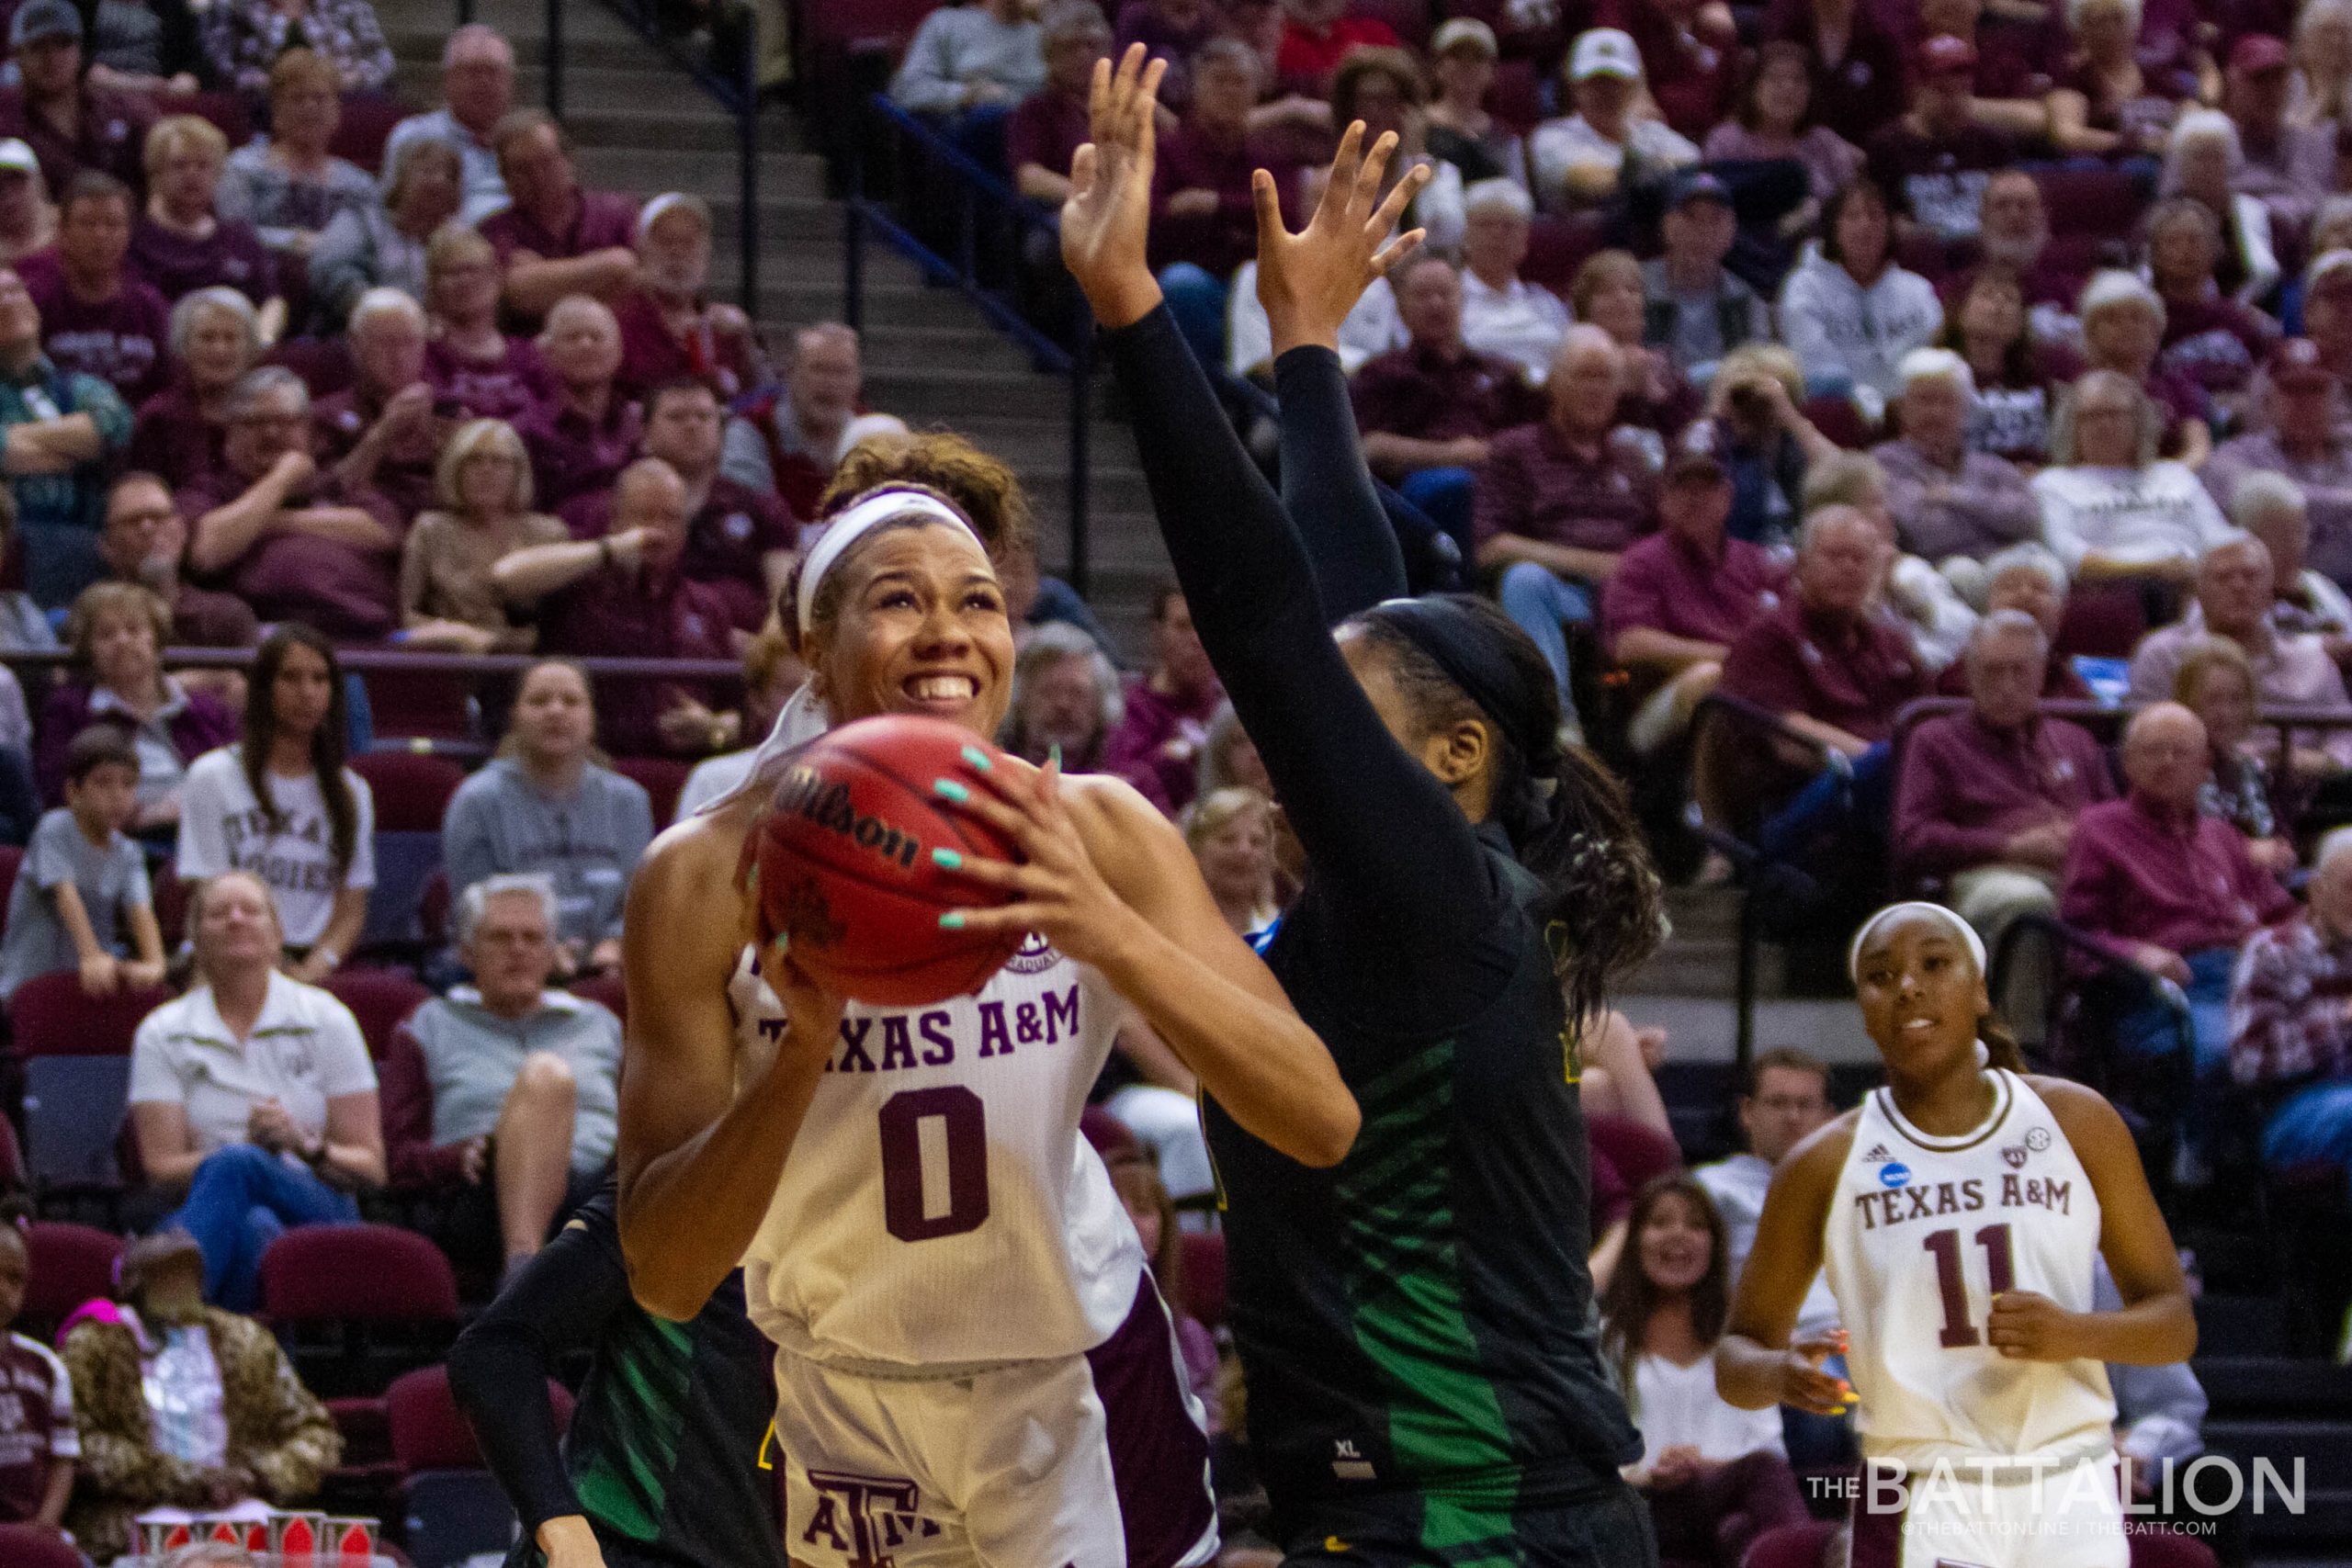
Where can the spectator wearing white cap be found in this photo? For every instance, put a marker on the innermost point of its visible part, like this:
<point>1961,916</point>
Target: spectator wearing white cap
<point>27,217</point>
<point>1460,130</point>
<point>1692,307</point>
<point>1501,312</point>
<point>1587,158</point>
<point>1949,501</point>
<point>671,329</point>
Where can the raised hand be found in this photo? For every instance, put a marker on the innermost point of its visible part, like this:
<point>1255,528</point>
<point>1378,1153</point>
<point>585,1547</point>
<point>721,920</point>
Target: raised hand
<point>1310,280</point>
<point>1107,219</point>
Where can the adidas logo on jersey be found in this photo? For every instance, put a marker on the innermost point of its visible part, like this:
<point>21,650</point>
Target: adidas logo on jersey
<point>1879,1152</point>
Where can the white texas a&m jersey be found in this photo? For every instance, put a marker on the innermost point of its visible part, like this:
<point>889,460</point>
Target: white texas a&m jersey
<point>1922,1233</point>
<point>940,1207</point>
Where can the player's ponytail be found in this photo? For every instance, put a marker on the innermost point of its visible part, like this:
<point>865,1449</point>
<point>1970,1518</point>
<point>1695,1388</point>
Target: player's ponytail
<point>2001,1047</point>
<point>1454,657</point>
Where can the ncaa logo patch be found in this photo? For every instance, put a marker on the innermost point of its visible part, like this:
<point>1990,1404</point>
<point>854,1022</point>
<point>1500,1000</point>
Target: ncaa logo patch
<point>1036,955</point>
<point>1894,1174</point>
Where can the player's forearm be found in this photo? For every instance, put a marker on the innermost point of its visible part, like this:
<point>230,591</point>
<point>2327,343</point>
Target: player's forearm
<point>1746,1373</point>
<point>1260,1062</point>
<point>2154,1331</point>
<point>687,1216</point>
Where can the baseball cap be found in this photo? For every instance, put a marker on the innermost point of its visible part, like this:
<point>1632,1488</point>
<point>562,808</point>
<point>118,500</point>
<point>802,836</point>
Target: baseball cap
<point>1694,455</point>
<point>1696,185</point>
<point>1463,31</point>
<point>2258,52</point>
<point>2295,366</point>
<point>15,154</point>
<point>38,20</point>
<point>1944,53</point>
<point>2333,267</point>
<point>1602,51</point>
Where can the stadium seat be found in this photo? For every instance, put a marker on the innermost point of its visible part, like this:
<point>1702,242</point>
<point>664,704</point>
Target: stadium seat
<point>76,1052</point>
<point>12,859</point>
<point>358,1305</point>
<point>1515,99</point>
<point>12,1158</point>
<point>1205,1277</point>
<point>70,1264</point>
<point>1790,1546</point>
<point>2161,1548</point>
<point>663,777</point>
<point>1409,18</point>
<point>324,364</point>
<point>381,999</point>
<point>1640,1153</point>
<point>365,126</point>
<point>225,110</point>
<point>412,789</point>
<point>2098,203</point>
<point>54,1018</point>
<point>27,1546</point>
<point>1556,247</point>
<point>453,1507</point>
<point>424,705</point>
<point>606,991</point>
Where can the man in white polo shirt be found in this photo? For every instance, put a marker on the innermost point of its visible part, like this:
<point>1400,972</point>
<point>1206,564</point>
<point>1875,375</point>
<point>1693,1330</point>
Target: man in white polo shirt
<point>253,1092</point>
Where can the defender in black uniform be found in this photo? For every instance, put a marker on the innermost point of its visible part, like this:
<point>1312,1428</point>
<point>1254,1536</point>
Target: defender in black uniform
<point>1417,1322</point>
<point>662,1461</point>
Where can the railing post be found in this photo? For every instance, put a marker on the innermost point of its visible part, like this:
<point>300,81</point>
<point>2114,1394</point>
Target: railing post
<point>555,59</point>
<point>1082,387</point>
<point>746,126</point>
<point>853,237</point>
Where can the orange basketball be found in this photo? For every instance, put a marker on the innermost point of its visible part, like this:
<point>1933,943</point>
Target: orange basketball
<point>846,865</point>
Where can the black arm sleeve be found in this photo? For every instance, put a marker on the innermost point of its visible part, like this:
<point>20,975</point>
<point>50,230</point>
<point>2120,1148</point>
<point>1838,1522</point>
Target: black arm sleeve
<point>1328,487</point>
<point>500,1367</point>
<point>1387,843</point>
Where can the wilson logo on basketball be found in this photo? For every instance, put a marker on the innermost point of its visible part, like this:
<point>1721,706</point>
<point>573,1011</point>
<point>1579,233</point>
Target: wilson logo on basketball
<point>809,794</point>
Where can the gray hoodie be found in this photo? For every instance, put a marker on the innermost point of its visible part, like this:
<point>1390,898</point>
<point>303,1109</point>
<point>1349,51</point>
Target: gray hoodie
<point>590,841</point>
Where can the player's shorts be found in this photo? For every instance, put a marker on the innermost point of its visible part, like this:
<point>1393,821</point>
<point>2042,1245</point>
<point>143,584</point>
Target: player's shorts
<point>1100,1460</point>
<point>1410,1529</point>
<point>1951,1519</point>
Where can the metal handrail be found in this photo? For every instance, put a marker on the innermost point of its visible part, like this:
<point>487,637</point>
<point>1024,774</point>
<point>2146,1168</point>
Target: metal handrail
<point>737,94</point>
<point>978,190</point>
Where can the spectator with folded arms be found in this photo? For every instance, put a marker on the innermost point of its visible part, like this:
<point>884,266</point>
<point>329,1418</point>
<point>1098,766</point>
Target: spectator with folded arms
<point>450,601</point>
<point>81,900</point>
<point>286,185</point>
<point>2111,508</point>
<point>59,433</point>
<point>182,431</point>
<point>555,239</point>
<point>118,632</point>
<point>468,360</point>
<point>382,245</point>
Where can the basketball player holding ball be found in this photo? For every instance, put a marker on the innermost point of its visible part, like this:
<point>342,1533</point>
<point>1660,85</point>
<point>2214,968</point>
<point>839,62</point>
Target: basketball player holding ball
<point>974,1366</point>
<point>1958,1210</point>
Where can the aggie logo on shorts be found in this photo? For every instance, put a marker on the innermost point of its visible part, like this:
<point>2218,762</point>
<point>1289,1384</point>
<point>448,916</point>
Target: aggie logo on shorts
<point>866,1517</point>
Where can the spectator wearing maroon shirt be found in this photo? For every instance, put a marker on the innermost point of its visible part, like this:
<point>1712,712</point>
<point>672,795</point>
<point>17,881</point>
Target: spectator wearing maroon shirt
<point>623,596</point>
<point>1559,501</point>
<point>1689,57</point>
<point>144,543</point>
<point>1317,35</point>
<point>96,316</point>
<point>2123,328</point>
<point>2297,434</point>
<point>2290,1022</point>
<point>1936,160</point>
<point>1204,214</point>
<point>2209,338</point>
<point>555,239</point>
<point>215,338</point>
<point>1156,744</point>
<point>468,359</point>
<point>1947,501</point>
<point>38,1439</point>
<point>741,543</point>
<point>2165,887</point>
<point>1173,30</point>
<point>384,432</point>
<point>70,125</point>
<point>669,326</point>
<point>2287,167</point>
<point>581,438</point>
<point>1680,597</point>
<point>1049,125</point>
<point>287,538</point>
<point>789,443</point>
<point>1834,671</point>
<point>1856,62</point>
<point>1988,798</point>
<point>1430,410</point>
<point>179,243</point>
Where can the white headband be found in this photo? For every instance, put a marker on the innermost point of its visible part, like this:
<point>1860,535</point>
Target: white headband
<point>1966,933</point>
<point>846,528</point>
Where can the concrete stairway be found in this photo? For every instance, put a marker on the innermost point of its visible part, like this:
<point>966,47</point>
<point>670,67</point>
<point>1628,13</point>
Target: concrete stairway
<point>644,127</point>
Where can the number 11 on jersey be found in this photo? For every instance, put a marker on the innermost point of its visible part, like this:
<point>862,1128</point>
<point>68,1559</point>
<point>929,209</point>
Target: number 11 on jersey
<point>1958,1333</point>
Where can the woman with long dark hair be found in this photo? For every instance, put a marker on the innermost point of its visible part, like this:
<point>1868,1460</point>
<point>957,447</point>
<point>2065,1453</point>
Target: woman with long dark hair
<point>280,804</point>
<point>1716,1476</point>
<point>1413,1320</point>
<point>1958,1211</point>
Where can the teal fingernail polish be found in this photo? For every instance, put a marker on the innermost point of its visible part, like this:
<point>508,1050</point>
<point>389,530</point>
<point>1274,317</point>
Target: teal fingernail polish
<point>952,920</point>
<point>977,758</point>
<point>947,860</point>
<point>1054,753</point>
<point>950,790</point>
<point>783,943</point>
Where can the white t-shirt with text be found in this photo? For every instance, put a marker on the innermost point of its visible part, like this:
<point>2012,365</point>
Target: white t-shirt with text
<point>222,827</point>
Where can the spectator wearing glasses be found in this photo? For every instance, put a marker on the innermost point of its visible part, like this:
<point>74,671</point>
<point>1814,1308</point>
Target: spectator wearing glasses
<point>477,91</point>
<point>62,429</point>
<point>2111,508</point>
<point>669,327</point>
<point>383,244</point>
<point>469,360</point>
<point>1502,313</point>
<point>1947,500</point>
<point>502,1095</point>
<point>2272,508</point>
<point>2216,682</point>
<point>144,542</point>
<point>449,595</point>
<point>384,433</point>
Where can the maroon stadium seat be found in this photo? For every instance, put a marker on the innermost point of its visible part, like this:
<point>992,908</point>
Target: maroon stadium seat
<point>1409,18</point>
<point>412,789</point>
<point>2162,1548</point>
<point>12,860</point>
<point>429,1432</point>
<point>606,991</point>
<point>2102,203</point>
<point>28,1546</point>
<point>54,1018</point>
<point>1790,1546</point>
<point>1840,421</point>
<point>419,705</point>
<point>1204,1277</point>
<point>663,777</point>
<point>324,364</point>
<point>366,124</point>
<point>1557,246</point>
<point>70,1265</point>
<point>225,110</point>
<point>1515,99</point>
<point>381,999</point>
<point>358,1273</point>
<point>2102,620</point>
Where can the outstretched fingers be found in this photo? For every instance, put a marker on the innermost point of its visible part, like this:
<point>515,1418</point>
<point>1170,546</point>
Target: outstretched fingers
<point>1397,250</point>
<point>1365,194</point>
